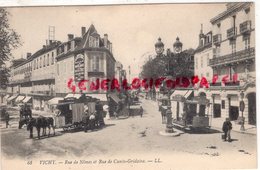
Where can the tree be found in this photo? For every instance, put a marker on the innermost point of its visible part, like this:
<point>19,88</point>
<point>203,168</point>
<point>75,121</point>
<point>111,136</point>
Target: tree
<point>175,65</point>
<point>9,40</point>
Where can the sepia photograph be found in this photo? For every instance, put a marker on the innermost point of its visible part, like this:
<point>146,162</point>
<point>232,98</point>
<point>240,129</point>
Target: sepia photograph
<point>128,86</point>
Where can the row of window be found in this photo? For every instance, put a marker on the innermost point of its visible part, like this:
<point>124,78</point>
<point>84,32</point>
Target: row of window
<point>202,61</point>
<point>40,62</point>
<point>43,61</point>
<point>64,48</point>
<point>24,69</point>
<point>96,64</point>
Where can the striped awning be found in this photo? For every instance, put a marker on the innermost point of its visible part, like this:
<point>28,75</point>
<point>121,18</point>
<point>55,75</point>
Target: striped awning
<point>19,98</point>
<point>55,100</point>
<point>6,96</point>
<point>71,95</point>
<point>11,98</point>
<point>114,98</point>
<point>26,99</point>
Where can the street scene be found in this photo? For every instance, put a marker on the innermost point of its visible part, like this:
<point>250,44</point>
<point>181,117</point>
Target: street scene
<point>154,97</point>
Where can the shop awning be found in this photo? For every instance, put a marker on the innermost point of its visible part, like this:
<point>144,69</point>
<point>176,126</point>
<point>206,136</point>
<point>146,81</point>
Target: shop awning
<point>55,100</point>
<point>26,99</point>
<point>179,92</point>
<point>101,97</point>
<point>19,98</point>
<point>180,95</point>
<point>11,98</point>
<point>114,98</point>
<point>6,96</point>
<point>71,95</point>
<point>201,101</point>
<point>188,94</point>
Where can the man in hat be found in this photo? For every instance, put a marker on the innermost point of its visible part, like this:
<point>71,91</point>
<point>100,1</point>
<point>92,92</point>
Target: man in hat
<point>85,118</point>
<point>227,126</point>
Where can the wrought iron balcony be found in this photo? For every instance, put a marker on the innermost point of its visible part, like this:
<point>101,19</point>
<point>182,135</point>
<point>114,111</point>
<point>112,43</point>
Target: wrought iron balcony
<point>215,84</point>
<point>217,39</point>
<point>231,83</point>
<point>245,27</point>
<point>96,73</point>
<point>233,57</point>
<point>42,92</point>
<point>231,33</point>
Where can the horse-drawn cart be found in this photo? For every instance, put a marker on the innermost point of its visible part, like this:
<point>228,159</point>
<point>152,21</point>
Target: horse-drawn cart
<point>72,113</point>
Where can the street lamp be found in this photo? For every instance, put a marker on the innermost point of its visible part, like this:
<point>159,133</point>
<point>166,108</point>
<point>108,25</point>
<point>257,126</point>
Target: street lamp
<point>242,107</point>
<point>159,48</point>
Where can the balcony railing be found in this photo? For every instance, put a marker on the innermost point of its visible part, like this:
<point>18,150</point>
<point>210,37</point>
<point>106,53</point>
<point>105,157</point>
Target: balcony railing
<point>45,92</point>
<point>231,83</point>
<point>245,27</point>
<point>234,57</point>
<point>96,73</point>
<point>231,33</point>
<point>217,39</point>
<point>215,84</point>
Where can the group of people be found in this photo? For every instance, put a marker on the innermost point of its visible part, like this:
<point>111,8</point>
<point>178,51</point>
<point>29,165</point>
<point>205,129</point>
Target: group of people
<point>25,112</point>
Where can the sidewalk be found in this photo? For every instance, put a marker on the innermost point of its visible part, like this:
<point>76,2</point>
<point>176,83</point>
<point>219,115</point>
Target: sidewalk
<point>218,122</point>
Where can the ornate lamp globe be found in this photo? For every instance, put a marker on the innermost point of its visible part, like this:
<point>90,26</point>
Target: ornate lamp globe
<point>177,46</point>
<point>159,46</point>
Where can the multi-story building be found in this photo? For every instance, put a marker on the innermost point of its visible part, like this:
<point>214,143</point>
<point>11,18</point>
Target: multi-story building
<point>45,74</point>
<point>88,57</point>
<point>232,62</point>
<point>34,76</point>
<point>202,55</point>
<point>118,71</point>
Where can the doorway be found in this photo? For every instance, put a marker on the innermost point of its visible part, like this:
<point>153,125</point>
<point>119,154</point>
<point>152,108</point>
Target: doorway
<point>251,109</point>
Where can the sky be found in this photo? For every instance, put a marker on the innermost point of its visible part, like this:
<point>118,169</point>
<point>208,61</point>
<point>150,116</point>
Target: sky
<point>133,29</point>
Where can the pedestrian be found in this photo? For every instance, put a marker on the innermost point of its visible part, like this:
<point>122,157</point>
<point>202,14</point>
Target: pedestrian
<point>85,119</point>
<point>141,111</point>
<point>92,121</point>
<point>227,126</point>
<point>21,112</point>
<point>7,118</point>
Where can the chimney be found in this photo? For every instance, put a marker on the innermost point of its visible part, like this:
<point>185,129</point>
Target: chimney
<point>28,55</point>
<point>83,31</point>
<point>70,37</point>
<point>105,40</point>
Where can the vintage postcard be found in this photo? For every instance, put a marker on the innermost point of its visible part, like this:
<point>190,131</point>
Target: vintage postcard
<point>145,86</point>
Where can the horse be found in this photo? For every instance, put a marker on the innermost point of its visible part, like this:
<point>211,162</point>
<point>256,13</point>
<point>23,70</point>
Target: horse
<point>23,121</point>
<point>41,122</point>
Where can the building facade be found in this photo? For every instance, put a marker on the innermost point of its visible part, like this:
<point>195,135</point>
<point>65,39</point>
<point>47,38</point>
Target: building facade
<point>203,54</point>
<point>46,74</point>
<point>34,76</point>
<point>231,63</point>
<point>88,57</point>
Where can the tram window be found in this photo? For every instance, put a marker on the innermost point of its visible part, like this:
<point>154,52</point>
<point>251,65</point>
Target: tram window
<point>223,104</point>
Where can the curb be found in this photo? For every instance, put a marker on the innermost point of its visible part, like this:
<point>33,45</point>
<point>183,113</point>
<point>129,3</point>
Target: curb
<point>238,131</point>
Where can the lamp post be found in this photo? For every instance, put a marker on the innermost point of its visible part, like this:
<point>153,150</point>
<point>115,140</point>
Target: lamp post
<point>159,48</point>
<point>242,107</point>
